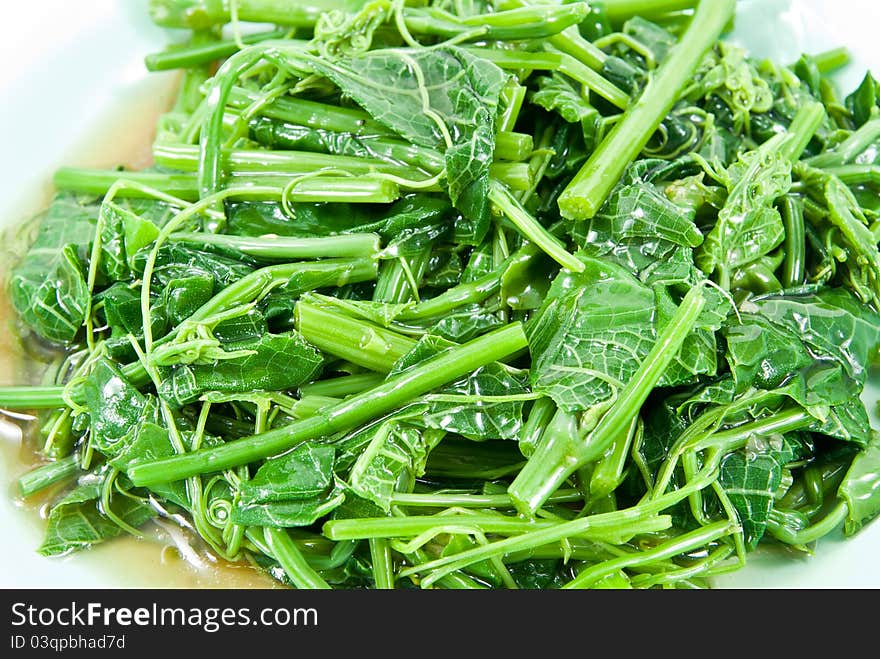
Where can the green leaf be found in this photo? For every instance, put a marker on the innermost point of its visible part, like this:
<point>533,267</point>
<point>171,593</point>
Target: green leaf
<point>650,35</point>
<point>861,487</point>
<point>180,261</point>
<point>295,489</point>
<point>48,288</point>
<point>762,354</point>
<point>304,473</point>
<point>443,98</point>
<point>594,332</point>
<point>829,323</point>
<point>257,218</point>
<point>642,230</point>
<point>750,479</point>
<point>394,456</point>
<point>863,260</point>
<point>459,407</point>
<point>465,324</point>
<point>116,408</point>
<point>639,211</point>
<point>122,310</point>
<point>286,514</point>
<point>182,297</point>
<point>862,103</point>
<point>748,226</point>
<point>556,93</point>
<point>276,362</point>
<point>125,425</point>
<point>538,574</point>
<point>123,234</point>
<point>77,522</point>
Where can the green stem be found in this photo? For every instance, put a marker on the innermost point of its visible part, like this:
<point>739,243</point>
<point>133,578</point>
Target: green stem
<point>342,386</point>
<point>351,413</point>
<point>565,64</point>
<point>514,175</point>
<point>569,41</point>
<point>801,131</point>
<point>210,151</point>
<point>99,181</point>
<point>236,162</point>
<point>292,560</point>
<point>513,146</point>
<point>572,43</point>
<point>556,457</point>
<point>357,341</point>
<point>189,96</point>
<point>813,532</point>
<point>782,422</point>
<point>271,187</point>
<point>512,98</point>
<point>539,538</point>
<point>531,229</point>
<point>285,136</point>
<point>309,406</point>
<point>619,11</point>
<point>342,189</point>
<point>25,397</point>
<point>409,527</point>
<point>442,500</point>
<point>831,60</point>
<point>259,164</point>
<point>312,114</point>
<point>279,247</point>
<point>297,278</point>
<point>609,472</point>
<point>540,416</point>
<point>679,545</point>
<point>560,454</point>
<point>470,293</point>
<point>588,191</point>
<point>48,474</point>
<point>504,25</point>
<point>850,149</point>
<point>190,55</point>
<point>794,267</point>
<point>383,564</point>
<point>195,14</point>
<point>400,279</point>
<point>856,174</point>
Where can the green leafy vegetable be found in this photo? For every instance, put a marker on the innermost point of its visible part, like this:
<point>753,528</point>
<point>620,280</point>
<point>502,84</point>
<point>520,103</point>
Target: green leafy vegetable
<point>484,294</point>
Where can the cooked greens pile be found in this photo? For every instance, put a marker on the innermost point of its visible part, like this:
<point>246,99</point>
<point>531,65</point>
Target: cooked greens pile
<point>466,295</point>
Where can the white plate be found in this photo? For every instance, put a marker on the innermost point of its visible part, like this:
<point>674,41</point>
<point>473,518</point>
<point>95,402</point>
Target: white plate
<point>75,91</point>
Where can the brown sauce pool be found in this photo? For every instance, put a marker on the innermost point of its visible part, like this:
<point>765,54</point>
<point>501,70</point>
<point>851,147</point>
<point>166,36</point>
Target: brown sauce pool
<point>168,556</point>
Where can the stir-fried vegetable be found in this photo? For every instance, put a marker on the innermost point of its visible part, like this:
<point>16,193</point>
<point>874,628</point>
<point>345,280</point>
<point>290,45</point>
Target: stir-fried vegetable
<point>468,294</point>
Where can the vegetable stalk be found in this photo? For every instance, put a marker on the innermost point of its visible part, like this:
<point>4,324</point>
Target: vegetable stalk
<point>355,411</point>
<point>585,195</point>
<point>562,451</point>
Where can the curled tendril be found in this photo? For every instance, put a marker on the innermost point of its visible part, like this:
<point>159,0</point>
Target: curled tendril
<point>633,44</point>
<point>339,34</point>
<point>219,513</point>
<point>296,180</point>
<point>217,508</point>
<point>107,488</point>
<point>236,24</point>
<point>410,183</point>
